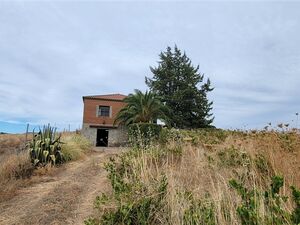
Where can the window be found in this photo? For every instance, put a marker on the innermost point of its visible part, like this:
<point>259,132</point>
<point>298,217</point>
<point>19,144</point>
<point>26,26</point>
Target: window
<point>104,111</point>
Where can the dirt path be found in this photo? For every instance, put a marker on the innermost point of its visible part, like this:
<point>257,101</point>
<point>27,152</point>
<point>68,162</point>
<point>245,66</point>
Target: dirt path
<point>66,198</point>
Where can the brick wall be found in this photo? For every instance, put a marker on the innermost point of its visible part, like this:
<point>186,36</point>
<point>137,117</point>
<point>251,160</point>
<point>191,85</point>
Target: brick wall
<point>90,111</point>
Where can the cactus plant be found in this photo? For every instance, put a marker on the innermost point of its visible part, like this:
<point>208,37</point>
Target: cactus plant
<point>45,147</point>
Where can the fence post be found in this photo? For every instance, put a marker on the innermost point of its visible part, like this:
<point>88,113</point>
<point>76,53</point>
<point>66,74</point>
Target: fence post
<point>27,128</point>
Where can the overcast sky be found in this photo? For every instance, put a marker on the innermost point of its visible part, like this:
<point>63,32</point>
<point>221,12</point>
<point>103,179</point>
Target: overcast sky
<point>53,53</point>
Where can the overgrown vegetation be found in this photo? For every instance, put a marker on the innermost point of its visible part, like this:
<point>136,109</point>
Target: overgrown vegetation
<point>270,201</point>
<point>16,168</point>
<point>142,134</point>
<point>75,146</point>
<point>203,177</point>
<point>49,147</point>
<point>19,163</point>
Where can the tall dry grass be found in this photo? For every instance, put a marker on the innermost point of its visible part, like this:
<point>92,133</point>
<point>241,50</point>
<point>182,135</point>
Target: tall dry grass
<point>75,146</point>
<point>16,169</point>
<point>198,174</point>
<point>11,144</point>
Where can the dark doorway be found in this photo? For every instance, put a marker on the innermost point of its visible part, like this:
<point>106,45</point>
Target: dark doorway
<point>102,137</point>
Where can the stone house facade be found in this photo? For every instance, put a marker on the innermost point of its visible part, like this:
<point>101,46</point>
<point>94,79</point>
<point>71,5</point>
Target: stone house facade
<point>99,113</point>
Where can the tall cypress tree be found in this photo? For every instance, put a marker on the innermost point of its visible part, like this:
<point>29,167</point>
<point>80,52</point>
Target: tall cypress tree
<point>181,87</point>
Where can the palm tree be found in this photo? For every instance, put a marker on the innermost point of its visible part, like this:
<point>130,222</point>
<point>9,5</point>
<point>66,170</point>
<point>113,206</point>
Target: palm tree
<point>141,108</point>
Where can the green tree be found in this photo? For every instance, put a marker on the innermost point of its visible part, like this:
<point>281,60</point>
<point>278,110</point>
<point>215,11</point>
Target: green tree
<point>181,87</point>
<point>141,108</point>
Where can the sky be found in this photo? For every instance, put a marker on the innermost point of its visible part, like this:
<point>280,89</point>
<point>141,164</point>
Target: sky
<point>52,53</point>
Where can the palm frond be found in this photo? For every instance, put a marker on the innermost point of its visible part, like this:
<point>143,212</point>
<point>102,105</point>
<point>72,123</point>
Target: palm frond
<point>141,107</point>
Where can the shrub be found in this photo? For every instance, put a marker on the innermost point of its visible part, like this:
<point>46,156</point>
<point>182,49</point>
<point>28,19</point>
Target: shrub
<point>75,146</point>
<point>167,135</point>
<point>199,212</point>
<point>134,202</point>
<point>197,181</point>
<point>16,166</point>
<point>252,200</point>
<point>13,170</point>
<point>142,134</point>
<point>296,212</point>
<point>263,165</point>
<point>234,157</point>
<point>206,136</point>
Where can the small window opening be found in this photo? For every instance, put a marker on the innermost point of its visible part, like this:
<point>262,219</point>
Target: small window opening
<point>104,111</point>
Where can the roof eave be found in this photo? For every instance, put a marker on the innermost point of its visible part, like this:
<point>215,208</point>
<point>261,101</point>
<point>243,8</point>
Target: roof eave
<point>106,99</point>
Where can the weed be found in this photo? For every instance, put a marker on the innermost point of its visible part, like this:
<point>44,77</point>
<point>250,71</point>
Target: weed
<point>234,157</point>
<point>289,140</point>
<point>75,146</point>
<point>199,212</point>
<point>194,180</point>
<point>296,212</point>
<point>272,202</point>
<point>263,165</point>
<point>134,201</point>
<point>207,136</point>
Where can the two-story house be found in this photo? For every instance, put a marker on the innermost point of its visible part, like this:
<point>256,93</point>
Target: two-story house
<point>99,113</point>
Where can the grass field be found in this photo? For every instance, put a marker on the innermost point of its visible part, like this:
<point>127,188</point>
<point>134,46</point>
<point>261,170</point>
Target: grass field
<point>205,177</point>
<point>184,177</point>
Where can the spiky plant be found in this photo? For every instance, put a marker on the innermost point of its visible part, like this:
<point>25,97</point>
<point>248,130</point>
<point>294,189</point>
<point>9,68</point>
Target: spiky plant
<point>45,147</point>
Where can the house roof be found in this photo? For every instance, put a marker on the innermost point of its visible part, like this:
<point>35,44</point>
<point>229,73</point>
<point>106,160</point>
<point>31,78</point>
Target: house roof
<point>113,97</point>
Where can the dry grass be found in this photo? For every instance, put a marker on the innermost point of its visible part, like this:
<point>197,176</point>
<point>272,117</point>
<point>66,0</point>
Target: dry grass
<point>16,169</point>
<point>75,146</point>
<point>15,165</point>
<point>14,172</point>
<point>252,158</point>
<point>58,195</point>
<point>206,165</point>
<point>11,144</point>
<point>10,141</point>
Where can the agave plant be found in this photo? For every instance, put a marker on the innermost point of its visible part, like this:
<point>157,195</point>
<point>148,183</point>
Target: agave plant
<point>45,147</point>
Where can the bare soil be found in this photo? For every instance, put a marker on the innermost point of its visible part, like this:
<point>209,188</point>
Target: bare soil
<point>64,198</point>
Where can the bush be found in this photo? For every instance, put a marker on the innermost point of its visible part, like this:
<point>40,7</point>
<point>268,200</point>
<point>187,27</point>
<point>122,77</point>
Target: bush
<point>170,135</point>
<point>248,210</point>
<point>199,212</point>
<point>13,170</point>
<point>16,166</point>
<point>142,134</point>
<point>75,146</point>
<point>197,187</point>
<point>296,212</point>
<point>234,157</point>
<point>206,136</point>
<point>134,201</point>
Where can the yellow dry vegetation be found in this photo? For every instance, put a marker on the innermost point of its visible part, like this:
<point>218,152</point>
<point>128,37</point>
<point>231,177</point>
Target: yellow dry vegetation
<point>198,165</point>
<point>16,168</point>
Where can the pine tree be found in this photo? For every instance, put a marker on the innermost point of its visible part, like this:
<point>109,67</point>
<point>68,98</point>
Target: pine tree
<point>181,87</point>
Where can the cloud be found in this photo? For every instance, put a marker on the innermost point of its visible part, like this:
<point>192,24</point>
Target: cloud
<point>53,53</point>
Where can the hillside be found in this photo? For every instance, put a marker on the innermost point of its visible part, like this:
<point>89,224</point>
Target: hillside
<point>205,177</point>
<point>185,177</point>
